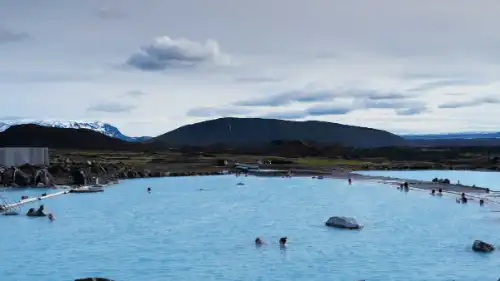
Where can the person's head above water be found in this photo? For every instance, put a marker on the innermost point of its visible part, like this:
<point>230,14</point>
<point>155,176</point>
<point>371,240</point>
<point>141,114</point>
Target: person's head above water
<point>440,190</point>
<point>283,241</point>
<point>258,241</point>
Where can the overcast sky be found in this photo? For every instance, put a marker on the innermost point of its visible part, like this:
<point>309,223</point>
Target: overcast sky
<point>153,65</point>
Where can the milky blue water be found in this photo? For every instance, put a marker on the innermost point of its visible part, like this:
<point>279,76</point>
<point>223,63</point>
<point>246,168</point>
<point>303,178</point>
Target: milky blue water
<point>478,178</point>
<point>180,232</point>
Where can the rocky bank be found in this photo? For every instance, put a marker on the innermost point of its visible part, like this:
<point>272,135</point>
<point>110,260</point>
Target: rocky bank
<point>80,174</point>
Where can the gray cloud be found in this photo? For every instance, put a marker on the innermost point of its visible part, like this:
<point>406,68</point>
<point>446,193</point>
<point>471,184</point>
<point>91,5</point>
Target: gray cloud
<point>166,53</point>
<point>329,110</point>
<point>470,103</point>
<point>216,111</point>
<point>386,96</point>
<point>111,107</point>
<point>362,99</point>
<point>312,111</point>
<point>7,36</point>
<point>107,13</point>
<point>134,94</point>
<point>384,104</point>
<point>415,110</point>
<point>304,96</point>
<point>286,115</point>
<point>445,83</point>
<point>401,106</point>
<point>288,98</point>
<point>256,79</point>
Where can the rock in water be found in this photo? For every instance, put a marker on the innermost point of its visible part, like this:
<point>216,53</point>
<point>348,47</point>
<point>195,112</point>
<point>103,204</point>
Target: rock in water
<point>343,222</point>
<point>93,279</point>
<point>481,246</point>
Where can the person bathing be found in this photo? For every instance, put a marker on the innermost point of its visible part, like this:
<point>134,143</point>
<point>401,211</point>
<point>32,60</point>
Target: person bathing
<point>283,241</point>
<point>259,241</point>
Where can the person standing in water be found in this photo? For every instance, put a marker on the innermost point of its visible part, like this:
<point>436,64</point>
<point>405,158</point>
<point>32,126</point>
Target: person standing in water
<point>349,180</point>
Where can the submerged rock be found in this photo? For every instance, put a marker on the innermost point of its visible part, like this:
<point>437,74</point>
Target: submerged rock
<point>481,246</point>
<point>343,222</point>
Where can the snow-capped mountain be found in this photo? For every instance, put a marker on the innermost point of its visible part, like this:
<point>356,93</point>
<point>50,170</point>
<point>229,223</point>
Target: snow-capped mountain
<point>104,128</point>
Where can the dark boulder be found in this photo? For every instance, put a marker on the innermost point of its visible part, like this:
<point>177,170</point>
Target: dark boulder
<point>29,170</point>
<point>96,168</point>
<point>131,174</point>
<point>94,279</point>
<point>481,246</point>
<point>43,178</point>
<point>78,176</point>
<point>59,170</point>
<point>343,222</point>
<point>7,176</point>
<point>20,178</point>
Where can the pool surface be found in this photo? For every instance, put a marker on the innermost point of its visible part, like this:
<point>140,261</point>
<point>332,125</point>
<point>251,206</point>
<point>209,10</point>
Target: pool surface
<point>478,178</point>
<point>203,228</point>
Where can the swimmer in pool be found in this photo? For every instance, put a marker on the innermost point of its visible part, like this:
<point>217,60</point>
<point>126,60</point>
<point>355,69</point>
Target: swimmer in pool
<point>149,189</point>
<point>463,199</point>
<point>433,192</point>
<point>283,241</point>
<point>259,241</point>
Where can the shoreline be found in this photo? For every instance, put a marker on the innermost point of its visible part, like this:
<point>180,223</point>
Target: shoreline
<point>455,190</point>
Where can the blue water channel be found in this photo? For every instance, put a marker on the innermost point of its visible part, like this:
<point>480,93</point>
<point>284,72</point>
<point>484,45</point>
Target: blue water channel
<point>203,228</point>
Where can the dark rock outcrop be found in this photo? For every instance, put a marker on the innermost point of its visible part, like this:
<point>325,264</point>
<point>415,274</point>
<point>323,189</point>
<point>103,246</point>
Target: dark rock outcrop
<point>481,246</point>
<point>343,222</point>
<point>78,176</point>
<point>94,279</point>
<point>21,178</point>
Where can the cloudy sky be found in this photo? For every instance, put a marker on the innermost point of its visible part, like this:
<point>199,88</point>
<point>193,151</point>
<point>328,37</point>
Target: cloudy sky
<point>153,65</point>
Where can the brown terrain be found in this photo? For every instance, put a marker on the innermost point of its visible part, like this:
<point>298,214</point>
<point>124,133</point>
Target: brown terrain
<point>78,155</point>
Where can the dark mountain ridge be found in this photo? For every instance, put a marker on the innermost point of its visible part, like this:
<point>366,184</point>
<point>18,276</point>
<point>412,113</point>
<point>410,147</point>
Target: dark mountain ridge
<point>257,131</point>
<point>64,138</point>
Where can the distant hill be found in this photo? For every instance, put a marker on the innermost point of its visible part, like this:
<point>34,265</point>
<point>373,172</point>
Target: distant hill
<point>479,142</point>
<point>257,131</point>
<point>63,138</point>
<point>104,128</point>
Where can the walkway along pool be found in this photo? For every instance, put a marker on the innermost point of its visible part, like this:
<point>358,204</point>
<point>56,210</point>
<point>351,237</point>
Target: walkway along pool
<point>203,228</point>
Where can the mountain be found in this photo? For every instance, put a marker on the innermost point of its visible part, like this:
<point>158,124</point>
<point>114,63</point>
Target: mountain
<point>104,128</point>
<point>490,135</point>
<point>64,138</point>
<point>257,131</point>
